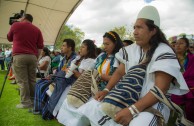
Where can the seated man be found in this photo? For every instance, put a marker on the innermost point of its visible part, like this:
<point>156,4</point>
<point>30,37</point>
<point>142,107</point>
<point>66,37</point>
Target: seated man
<point>68,48</point>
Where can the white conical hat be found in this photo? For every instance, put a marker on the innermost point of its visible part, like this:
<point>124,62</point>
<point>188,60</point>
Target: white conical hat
<point>151,13</point>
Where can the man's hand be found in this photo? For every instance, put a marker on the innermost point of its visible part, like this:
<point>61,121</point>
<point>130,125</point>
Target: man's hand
<point>123,117</point>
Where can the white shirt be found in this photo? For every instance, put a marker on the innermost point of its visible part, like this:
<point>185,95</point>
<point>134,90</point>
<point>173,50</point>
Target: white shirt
<point>7,53</point>
<point>43,59</point>
<point>85,64</point>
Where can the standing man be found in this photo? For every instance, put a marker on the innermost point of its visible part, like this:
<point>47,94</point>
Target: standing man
<point>27,44</point>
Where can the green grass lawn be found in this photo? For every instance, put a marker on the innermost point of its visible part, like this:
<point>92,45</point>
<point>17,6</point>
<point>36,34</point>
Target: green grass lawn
<point>10,115</point>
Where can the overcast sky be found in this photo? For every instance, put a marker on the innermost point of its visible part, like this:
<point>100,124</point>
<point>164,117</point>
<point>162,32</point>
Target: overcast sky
<point>95,17</point>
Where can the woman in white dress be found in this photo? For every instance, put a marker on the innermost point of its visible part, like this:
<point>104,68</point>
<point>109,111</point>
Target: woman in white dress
<point>44,63</point>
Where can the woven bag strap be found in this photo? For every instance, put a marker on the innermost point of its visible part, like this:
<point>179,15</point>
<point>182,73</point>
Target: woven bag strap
<point>94,85</point>
<point>162,98</point>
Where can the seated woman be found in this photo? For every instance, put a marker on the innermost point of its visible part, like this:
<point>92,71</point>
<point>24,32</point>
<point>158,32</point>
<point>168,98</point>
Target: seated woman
<point>44,63</point>
<point>186,59</point>
<point>83,62</point>
<point>151,56</point>
<point>105,64</point>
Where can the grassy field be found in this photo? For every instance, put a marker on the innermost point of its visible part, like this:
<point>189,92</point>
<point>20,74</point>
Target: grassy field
<point>10,115</point>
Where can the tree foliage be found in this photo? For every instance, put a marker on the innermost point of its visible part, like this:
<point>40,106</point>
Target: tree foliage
<point>124,32</point>
<point>184,35</point>
<point>69,32</point>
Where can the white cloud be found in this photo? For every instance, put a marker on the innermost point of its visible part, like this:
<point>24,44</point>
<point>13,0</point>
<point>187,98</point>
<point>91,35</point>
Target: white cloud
<point>95,17</point>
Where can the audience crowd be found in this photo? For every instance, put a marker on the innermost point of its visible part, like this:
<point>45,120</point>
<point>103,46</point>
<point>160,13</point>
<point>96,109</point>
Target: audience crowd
<point>109,86</point>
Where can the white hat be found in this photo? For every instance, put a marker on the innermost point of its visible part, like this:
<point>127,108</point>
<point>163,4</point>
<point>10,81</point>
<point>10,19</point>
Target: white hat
<point>151,13</point>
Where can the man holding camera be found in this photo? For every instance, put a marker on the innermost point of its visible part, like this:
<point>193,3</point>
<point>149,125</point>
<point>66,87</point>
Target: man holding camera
<point>27,44</point>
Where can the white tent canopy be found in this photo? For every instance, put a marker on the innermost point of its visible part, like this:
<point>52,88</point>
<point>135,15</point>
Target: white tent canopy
<point>49,15</point>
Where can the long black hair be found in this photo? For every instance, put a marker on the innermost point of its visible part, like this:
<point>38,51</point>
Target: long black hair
<point>155,40</point>
<point>46,51</point>
<point>91,48</point>
<point>114,37</point>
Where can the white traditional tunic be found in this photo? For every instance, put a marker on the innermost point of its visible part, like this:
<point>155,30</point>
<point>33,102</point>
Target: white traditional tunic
<point>162,60</point>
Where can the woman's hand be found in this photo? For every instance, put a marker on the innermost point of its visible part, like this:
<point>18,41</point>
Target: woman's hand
<point>76,73</point>
<point>100,95</point>
<point>123,117</point>
<point>105,77</point>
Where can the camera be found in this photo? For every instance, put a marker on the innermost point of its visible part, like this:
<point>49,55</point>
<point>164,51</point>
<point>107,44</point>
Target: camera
<point>16,17</point>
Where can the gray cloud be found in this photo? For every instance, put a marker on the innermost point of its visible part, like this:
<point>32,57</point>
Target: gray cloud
<point>95,17</point>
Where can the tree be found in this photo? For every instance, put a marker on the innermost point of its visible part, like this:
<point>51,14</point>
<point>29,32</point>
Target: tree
<point>124,33</point>
<point>69,32</point>
<point>183,35</point>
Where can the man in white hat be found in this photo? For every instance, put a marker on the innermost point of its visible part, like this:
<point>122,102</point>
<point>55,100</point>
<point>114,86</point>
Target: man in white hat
<point>152,50</point>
